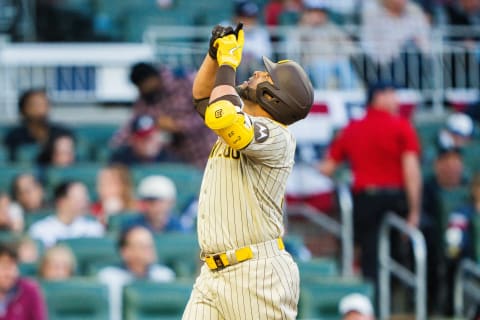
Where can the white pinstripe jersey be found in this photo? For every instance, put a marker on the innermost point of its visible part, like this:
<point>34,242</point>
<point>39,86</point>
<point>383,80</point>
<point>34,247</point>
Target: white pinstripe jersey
<point>242,192</point>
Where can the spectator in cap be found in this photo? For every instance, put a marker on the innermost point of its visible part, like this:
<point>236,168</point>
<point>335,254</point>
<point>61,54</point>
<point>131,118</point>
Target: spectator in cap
<point>138,262</point>
<point>383,151</point>
<point>166,97</point>
<point>458,131</point>
<point>158,195</point>
<point>356,306</point>
<point>146,145</point>
<point>325,48</point>
<point>35,127</point>
<point>257,38</point>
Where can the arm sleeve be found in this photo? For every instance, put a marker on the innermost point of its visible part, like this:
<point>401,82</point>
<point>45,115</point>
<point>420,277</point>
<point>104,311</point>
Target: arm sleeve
<point>272,144</point>
<point>410,142</point>
<point>201,105</point>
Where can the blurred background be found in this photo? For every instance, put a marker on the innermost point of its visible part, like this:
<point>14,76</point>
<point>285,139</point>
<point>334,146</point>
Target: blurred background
<point>95,99</point>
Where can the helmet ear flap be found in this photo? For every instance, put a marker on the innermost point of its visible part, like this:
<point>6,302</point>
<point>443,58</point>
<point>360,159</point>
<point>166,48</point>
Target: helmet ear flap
<point>271,103</point>
<point>263,88</point>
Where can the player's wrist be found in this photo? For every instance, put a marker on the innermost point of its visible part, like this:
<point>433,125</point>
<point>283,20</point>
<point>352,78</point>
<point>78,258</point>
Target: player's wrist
<point>225,76</point>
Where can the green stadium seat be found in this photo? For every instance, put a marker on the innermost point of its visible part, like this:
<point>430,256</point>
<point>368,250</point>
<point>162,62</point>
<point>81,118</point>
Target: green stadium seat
<point>86,173</point>
<point>97,134</point>
<point>3,155</point>
<point>115,222</point>
<point>223,11</point>
<point>9,171</point>
<point>89,251</point>
<point>31,218</point>
<point>289,18</point>
<point>9,237</point>
<point>139,18</point>
<point>27,154</point>
<point>76,299</point>
<point>155,301</point>
<point>471,156</point>
<point>93,139</point>
<point>476,237</point>
<point>427,131</point>
<point>82,151</point>
<point>28,269</point>
<point>317,268</point>
<point>187,179</point>
<point>319,299</point>
<point>180,252</point>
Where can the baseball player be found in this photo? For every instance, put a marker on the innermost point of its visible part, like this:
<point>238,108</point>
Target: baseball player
<point>247,274</point>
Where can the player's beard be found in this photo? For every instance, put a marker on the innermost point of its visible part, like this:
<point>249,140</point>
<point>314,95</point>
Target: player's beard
<point>247,93</point>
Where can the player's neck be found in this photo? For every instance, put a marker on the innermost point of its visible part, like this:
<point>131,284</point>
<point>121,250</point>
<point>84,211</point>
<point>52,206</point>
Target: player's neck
<point>255,110</point>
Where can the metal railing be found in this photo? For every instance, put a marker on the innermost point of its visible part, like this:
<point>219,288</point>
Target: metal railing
<point>388,266</point>
<point>467,269</point>
<point>342,230</point>
<point>449,64</point>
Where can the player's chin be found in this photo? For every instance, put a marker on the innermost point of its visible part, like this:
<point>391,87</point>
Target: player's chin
<point>244,85</point>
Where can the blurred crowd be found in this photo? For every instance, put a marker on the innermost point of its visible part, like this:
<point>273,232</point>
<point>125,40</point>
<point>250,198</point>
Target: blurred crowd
<point>429,177</point>
<point>335,54</point>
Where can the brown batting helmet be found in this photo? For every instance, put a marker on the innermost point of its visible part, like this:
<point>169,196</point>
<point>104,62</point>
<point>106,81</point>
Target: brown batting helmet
<point>290,97</point>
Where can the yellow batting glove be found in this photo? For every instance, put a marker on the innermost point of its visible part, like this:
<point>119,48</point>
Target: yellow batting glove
<point>229,49</point>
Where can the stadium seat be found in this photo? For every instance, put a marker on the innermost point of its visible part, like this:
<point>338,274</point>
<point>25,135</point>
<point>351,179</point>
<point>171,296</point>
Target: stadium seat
<point>180,252</point>
<point>159,301</point>
<point>76,299</point>
<point>187,179</point>
<point>3,155</point>
<point>27,154</point>
<point>427,131</point>
<point>97,134</point>
<point>94,138</point>
<point>223,11</point>
<point>139,18</point>
<point>319,299</point>
<point>476,237</point>
<point>89,251</point>
<point>82,151</point>
<point>31,218</point>
<point>9,237</point>
<point>318,267</point>
<point>28,269</point>
<point>9,171</point>
<point>86,173</point>
<point>116,222</point>
<point>471,156</point>
<point>289,18</point>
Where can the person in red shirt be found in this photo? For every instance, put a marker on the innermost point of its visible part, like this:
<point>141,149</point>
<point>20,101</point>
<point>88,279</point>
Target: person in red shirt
<point>383,151</point>
<point>20,298</point>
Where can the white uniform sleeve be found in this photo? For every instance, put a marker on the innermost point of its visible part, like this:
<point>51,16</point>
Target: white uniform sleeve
<point>272,143</point>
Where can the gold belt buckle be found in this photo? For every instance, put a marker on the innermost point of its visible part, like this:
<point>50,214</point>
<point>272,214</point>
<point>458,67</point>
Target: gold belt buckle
<point>218,261</point>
